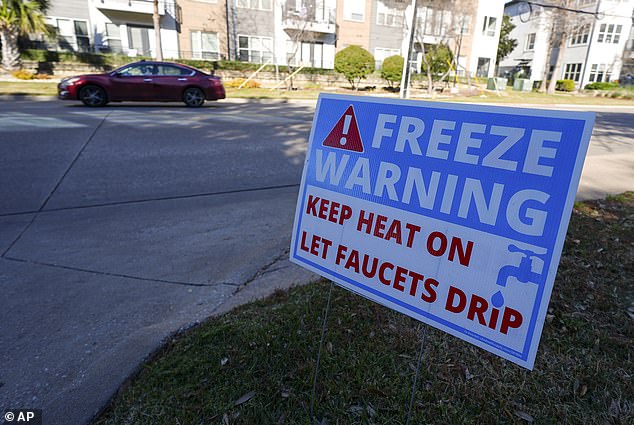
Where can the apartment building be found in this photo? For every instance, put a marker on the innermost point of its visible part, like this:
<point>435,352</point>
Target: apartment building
<point>595,46</point>
<point>470,28</point>
<point>283,32</point>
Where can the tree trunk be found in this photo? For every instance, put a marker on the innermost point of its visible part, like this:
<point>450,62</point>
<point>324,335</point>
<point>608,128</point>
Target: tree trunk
<point>10,52</point>
<point>560,55</point>
<point>156,18</point>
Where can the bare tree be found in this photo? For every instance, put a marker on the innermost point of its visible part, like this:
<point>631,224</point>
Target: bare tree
<point>564,22</point>
<point>443,22</point>
<point>156,19</point>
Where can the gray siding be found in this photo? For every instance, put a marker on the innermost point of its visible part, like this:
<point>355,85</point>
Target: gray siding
<point>387,37</point>
<point>251,22</point>
<point>68,9</point>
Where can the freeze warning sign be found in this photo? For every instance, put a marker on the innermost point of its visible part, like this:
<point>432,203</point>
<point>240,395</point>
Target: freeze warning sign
<point>452,214</point>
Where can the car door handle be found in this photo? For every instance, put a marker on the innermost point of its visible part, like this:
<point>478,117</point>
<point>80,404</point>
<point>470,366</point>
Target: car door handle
<point>182,79</point>
<point>147,80</point>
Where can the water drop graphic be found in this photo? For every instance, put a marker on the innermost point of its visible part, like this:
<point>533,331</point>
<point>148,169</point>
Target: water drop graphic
<point>497,299</point>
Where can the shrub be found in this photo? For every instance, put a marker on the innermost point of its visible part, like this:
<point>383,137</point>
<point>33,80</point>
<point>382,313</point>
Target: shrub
<point>355,63</point>
<point>392,69</point>
<point>437,61</point>
<point>601,86</point>
<point>236,82</point>
<point>23,74</point>
<point>565,85</point>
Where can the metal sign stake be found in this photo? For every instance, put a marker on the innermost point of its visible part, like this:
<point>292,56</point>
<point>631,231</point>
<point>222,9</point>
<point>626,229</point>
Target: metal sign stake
<point>321,343</point>
<point>420,357</point>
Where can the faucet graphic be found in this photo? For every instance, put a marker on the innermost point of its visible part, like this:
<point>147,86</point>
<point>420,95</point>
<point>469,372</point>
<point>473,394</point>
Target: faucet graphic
<point>522,273</point>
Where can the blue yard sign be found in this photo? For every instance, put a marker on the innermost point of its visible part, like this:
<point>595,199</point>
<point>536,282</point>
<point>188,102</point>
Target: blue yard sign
<point>452,214</point>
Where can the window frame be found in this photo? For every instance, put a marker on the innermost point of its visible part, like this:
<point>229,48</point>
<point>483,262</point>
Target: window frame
<point>609,33</point>
<point>529,45</point>
<point>248,4</point>
<point>72,39</point>
<point>263,52</point>
<point>572,71</point>
<point>215,55</point>
<point>488,29</point>
<point>348,13</point>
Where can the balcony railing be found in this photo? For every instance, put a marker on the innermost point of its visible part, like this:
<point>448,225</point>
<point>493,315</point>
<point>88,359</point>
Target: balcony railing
<point>137,6</point>
<point>320,20</point>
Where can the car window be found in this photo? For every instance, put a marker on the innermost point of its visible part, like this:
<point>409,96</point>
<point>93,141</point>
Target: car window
<point>174,70</point>
<point>139,70</point>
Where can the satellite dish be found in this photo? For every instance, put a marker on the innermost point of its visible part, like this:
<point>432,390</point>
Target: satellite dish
<point>525,11</point>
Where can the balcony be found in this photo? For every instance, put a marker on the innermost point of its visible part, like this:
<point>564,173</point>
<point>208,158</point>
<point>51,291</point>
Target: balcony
<point>136,6</point>
<point>310,20</point>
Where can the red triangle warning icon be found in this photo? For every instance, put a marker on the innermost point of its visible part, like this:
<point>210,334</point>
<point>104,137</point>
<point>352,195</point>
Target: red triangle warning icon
<point>345,134</point>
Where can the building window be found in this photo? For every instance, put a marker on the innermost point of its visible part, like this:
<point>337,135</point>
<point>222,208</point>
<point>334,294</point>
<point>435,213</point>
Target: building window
<point>380,54</point>
<point>204,45</point>
<point>600,72</point>
<point>112,40</point>
<point>463,25</point>
<point>255,49</point>
<point>582,3</point>
<point>483,67</point>
<point>433,21</point>
<point>580,35</point>
<point>71,34</point>
<point>389,17</point>
<point>488,28</point>
<point>255,4</point>
<point>354,10</point>
<point>609,33</point>
<point>530,42</point>
<point>572,71</point>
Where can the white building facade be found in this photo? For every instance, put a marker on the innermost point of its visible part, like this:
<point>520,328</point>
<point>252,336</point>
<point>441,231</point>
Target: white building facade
<point>594,45</point>
<point>126,26</point>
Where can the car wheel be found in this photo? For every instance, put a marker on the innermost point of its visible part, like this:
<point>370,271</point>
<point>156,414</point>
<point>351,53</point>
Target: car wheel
<point>194,97</point>
<point>93,96</point>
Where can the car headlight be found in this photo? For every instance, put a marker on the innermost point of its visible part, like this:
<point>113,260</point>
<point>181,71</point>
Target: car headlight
<point>69,81</point>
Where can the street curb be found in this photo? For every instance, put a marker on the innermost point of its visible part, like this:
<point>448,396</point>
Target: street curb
<point>27,97</point>
<point>313,102</point>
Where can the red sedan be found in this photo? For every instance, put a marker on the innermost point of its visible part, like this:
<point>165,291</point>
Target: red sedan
<point>144,81</point>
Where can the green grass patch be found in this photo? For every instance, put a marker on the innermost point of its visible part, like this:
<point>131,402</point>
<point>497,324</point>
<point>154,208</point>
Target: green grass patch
<point>255,365</point>
<point>37,88</point>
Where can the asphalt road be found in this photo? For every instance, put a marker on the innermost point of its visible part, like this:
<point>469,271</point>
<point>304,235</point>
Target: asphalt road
<point>121,225</point>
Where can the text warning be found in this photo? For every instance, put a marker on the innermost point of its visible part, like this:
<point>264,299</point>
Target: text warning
<point>452,214</point>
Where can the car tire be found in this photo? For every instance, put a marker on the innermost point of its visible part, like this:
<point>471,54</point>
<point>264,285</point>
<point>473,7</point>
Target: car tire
<point>194,97</point>
<point>93,96</point>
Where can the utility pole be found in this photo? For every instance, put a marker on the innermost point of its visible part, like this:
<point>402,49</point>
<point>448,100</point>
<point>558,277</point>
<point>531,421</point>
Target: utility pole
<point>156,19</point>
<point>404,92</point>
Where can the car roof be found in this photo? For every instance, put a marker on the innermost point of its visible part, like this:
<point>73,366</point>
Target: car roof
<point>152,62</point>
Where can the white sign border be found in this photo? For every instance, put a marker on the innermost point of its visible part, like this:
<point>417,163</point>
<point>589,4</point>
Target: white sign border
<point>587,117</point>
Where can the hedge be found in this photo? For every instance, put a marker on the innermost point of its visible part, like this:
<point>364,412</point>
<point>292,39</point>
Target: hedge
<point>115,60</point>
<point>601,86</point>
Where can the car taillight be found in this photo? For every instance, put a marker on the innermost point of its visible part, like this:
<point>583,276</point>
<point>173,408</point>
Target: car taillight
<point>215,81</point>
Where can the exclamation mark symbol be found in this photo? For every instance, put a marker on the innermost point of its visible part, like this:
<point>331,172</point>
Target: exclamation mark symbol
<point>346,127</point>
